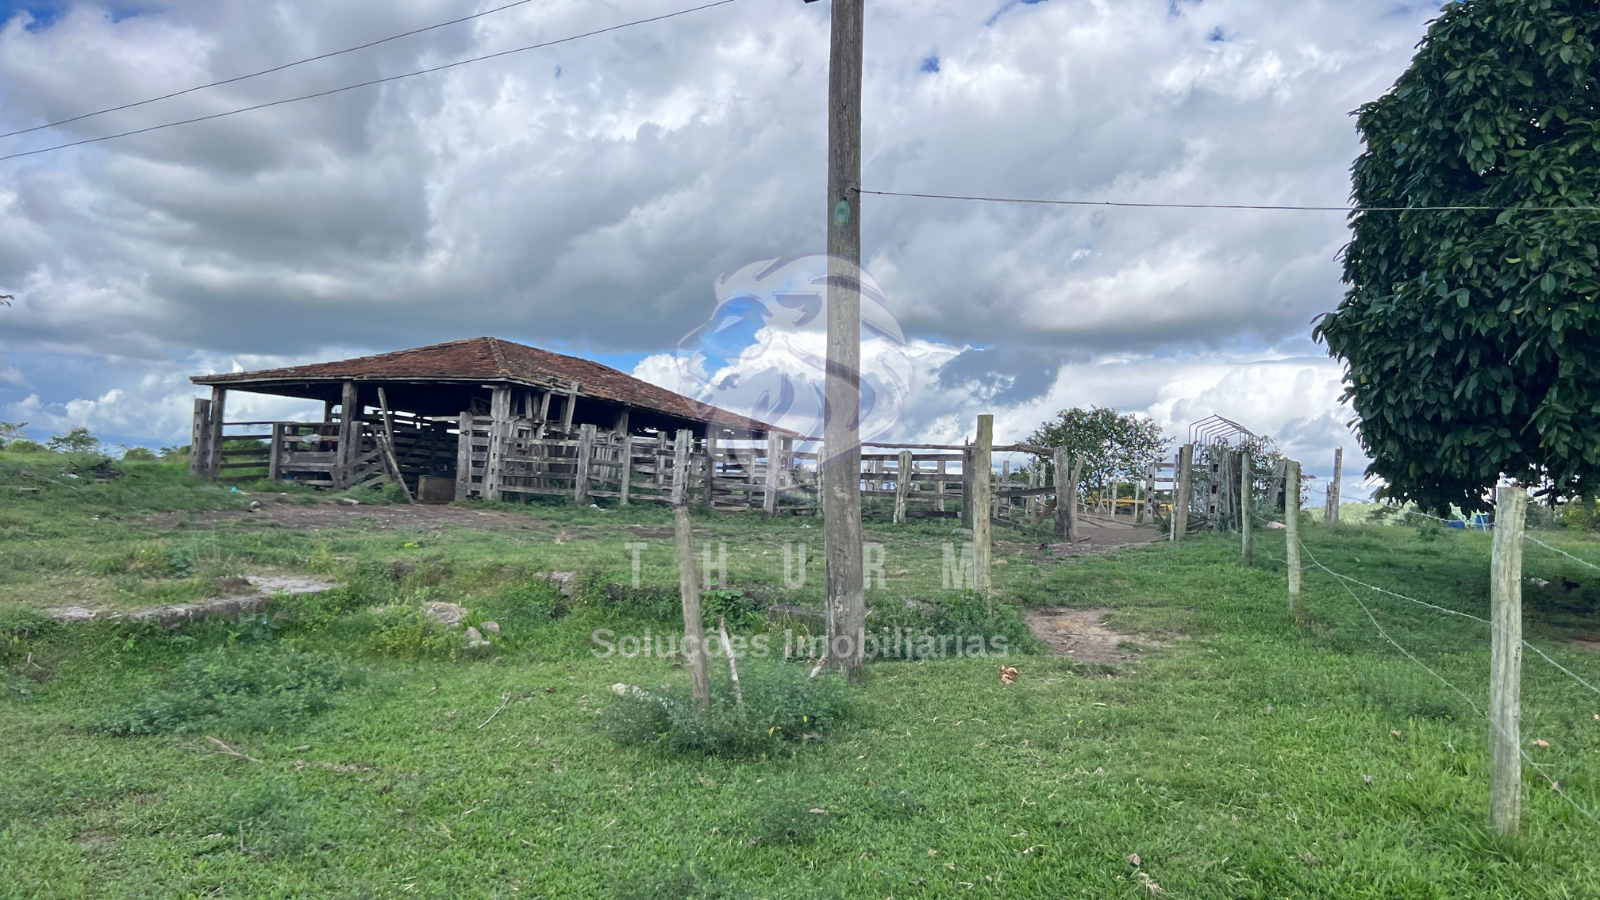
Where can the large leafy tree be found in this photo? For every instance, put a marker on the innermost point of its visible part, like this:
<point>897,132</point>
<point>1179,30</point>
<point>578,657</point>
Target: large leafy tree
<point>1113,446</point>
<point>1472,336</point>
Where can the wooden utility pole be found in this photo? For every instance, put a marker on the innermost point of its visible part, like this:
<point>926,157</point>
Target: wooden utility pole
<point>1505,662</point>
<point>1330,509</point>
<point>1291,534</point>
<point>982,524</point>
<point>1246,502</point>
<point>841,470</point>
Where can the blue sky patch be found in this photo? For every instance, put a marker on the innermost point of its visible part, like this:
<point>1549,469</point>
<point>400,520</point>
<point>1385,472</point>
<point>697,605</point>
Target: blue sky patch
<point>930,64</point>
<point>1216,35</point>
<point>44,12</point>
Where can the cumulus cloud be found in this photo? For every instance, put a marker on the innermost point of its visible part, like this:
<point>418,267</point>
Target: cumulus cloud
<point>587,195</point>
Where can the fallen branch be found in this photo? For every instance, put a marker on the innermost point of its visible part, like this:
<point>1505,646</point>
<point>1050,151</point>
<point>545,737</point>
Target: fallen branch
<point>820,663</point>
<point>226,750</point>
<point>504,699</point>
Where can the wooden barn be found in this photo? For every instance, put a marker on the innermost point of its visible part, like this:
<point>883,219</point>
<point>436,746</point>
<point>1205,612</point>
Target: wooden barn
<point>491,418</point>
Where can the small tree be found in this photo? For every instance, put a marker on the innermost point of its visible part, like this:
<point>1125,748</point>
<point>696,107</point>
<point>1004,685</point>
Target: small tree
<point>12,431</point>
<point>1114,446</point>
<point>77,440</point>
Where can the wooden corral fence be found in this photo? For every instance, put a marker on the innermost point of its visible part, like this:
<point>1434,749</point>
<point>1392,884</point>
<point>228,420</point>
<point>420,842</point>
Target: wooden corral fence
<point>526,456</point>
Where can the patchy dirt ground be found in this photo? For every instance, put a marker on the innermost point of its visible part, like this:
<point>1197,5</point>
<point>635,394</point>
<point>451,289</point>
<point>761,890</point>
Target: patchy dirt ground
<point>325,515</point>
<point>243,596</point>
<point>1093,537</point>
<point>1082,634</point>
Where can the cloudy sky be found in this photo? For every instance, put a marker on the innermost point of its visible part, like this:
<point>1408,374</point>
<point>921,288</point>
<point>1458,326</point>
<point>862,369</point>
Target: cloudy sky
<point>585,197</point>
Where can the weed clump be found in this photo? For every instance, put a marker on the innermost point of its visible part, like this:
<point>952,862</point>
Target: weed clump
<point>233,690</point>
<point>408,632</point>
<point>782,708</point>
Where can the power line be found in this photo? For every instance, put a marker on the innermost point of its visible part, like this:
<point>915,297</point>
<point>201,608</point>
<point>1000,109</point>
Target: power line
<point>1343,209</point>
<point>288,65</point>
<point>351,87</point>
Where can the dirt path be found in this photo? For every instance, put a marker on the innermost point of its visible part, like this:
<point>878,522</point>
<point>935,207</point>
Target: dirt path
<point>1082,634</point>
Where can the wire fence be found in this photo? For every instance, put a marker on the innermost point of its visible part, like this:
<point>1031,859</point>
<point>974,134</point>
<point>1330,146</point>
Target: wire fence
<point>1349,584</point>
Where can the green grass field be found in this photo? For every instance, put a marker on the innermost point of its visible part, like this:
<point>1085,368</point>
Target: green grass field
<point>362,755</point>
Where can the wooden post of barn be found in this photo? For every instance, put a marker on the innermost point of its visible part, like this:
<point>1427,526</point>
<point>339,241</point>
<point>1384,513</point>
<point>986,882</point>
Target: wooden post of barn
<point>902,487</point>
<point>568,408</point>
<point>1330,509</point>
<point>982,459</point>
<point>1505,662</point>
<point>1247,538</point>
<point>464,456</point>
<point>219,400</point>
<point>200,438</point>
<point>1180,497</point>
<point>1291,534</point>
<point>938,502</point>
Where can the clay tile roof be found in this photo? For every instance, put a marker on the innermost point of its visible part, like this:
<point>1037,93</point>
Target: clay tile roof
<point>488,359</point>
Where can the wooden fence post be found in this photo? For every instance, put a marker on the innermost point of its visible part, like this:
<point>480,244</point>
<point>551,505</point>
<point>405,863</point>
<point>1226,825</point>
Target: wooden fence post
<point>680,466</point>
<point>1291,534</point>
<point>1247,536</point>
<point>1330,509</point>
<point>627,467</point>
<point>902,487</point>
<point>199,438</point>
<point>981,524</point>
<point>1505,662</point>
<point>1150,495</point>
<point>694,638</point>
<point>966,486</point>
<point>1063,496</point>
<point>774,479</point>
<point>1180,499</point>
<point>580,475</point>
<point>711,466</point>
<point>938,503</point>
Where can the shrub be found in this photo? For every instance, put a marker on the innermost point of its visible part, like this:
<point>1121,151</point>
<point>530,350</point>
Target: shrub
<point>231,689</point>
<point>964,615</point>
<point>23,445</point>
<point>138,454</point>
<point>524,605</point>
<point>782,707</point>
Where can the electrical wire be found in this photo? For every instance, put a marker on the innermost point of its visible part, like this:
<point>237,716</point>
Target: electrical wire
<point>1131,205</point>
<point>280,68</point>
<point>351,87</point>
